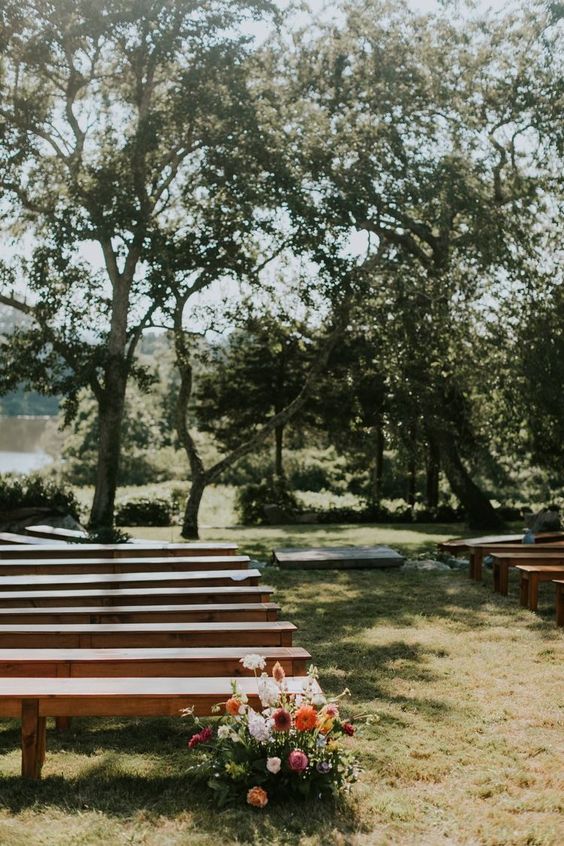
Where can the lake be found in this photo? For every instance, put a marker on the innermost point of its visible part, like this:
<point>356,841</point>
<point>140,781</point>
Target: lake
<point>21,444</point>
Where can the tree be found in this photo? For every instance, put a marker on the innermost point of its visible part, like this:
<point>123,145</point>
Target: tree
<point>251,376</point>
<point>127,128</point>
<point>432,139</point>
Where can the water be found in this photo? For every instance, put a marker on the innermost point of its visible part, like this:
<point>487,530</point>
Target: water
<point>22,462</point>
<point>21,447</point>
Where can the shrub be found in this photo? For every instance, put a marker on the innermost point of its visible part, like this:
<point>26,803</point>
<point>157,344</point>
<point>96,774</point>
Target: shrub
<point>106,534</point>
<point>144,512</point>
<point>33,491</point>
<point>251,500</point>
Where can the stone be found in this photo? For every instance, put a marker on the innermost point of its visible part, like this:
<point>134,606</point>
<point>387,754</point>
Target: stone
<point>426,564</point>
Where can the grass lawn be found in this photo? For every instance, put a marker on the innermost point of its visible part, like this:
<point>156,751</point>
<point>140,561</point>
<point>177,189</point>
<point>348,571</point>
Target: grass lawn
<point>260,541</point>
<point>467,750</point>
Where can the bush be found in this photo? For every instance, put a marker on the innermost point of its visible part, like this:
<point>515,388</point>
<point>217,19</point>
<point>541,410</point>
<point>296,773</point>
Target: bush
<point>251,501</point>
<point>144,512</point>
<point>35,492</point>
<point>106,534</point>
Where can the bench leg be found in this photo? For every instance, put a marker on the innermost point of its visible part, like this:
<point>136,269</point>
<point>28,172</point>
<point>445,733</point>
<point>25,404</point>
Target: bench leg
<point>533,591</point>
<point>504,579</point>
<point>524,590</point>
<point>559,606</point>
<point>476,559</point>
<point>496,577</point>
<point>33,739</point>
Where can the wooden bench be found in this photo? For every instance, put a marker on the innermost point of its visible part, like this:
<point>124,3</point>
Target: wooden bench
<point>134,596</point>
<point>137,663</point>
<point>205,613</point>
<point>197,578</point>
<point>34,700</point>
<point>155,635</point>
<point>479,551</point>
<point>33,566</point>
<point>36,548</point>
<point>480,547</point>
<point>531,576</point>
<point>503,561</point>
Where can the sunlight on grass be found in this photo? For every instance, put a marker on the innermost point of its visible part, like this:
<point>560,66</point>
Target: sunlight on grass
<point>466,686</point>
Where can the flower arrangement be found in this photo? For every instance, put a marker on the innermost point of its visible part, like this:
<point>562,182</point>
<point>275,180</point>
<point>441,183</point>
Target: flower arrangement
<point>295,745</point>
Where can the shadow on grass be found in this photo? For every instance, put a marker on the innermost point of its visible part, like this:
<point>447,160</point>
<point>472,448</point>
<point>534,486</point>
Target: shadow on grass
<point>119,795</point>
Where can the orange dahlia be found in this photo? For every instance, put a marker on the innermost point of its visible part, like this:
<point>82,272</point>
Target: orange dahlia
<point>257,797</point>
<point>305,718</point>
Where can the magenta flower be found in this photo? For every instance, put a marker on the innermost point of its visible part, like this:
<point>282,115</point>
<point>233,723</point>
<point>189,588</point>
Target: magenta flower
<point>298,761</point>
<point>204,735</point>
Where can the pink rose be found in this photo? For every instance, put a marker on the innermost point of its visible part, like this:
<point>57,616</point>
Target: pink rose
<point>298,761</point>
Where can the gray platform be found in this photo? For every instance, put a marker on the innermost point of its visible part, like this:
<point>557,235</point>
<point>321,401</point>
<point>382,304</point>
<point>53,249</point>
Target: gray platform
<point>338,558</point>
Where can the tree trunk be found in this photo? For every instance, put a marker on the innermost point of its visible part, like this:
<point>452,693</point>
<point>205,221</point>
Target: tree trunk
<point>110,415</point>
<point>433,473</point>
<point>278,464</point>
<point>481,514</point>
<point>190,523</point>
<point>412,466</point>
<point>378,465</point>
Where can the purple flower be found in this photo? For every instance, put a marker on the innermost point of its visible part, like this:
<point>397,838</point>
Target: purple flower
<point>324,767</point>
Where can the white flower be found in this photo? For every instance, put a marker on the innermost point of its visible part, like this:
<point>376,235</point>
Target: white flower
<point>223,732</point>
<point>318,700</point>
<point>253,662</point>
<point>258,727</point>
<point>273,765</point>
<point>268,691</point>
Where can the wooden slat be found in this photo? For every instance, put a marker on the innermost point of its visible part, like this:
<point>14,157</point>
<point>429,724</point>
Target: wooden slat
<point>136,663</point>
<point>238,611</point>
<point>104,635</point>
<point>127,580</point>
<point>125,697</point>
<point>46,549</point>
<point>146,564</point>
<point>133,596</point>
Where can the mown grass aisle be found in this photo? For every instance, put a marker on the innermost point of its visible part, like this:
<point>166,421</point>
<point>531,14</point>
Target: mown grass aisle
<point>467,749</point>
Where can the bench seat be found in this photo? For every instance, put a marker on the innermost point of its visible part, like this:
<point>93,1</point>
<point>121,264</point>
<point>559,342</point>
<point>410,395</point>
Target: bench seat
<point>36,547</point>
<point>196,578</point>
<point>206,612</point>
<point>133,596</point>
<point>101,635</point>
<point>183,662</point>
<point>146,564</point>
<point>33,700</point>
